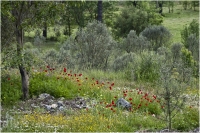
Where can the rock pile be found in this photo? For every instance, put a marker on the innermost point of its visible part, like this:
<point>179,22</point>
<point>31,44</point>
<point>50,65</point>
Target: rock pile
<point>51,104</point>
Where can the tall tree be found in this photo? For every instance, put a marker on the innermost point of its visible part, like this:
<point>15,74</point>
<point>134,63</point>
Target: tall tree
<point>23,15</point>
<point>99,10</point>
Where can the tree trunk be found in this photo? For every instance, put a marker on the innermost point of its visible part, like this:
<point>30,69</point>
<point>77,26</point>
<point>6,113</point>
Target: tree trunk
<point>45,30</point>
<point>24,74</point>
<point>99,11</point>
<point>69,26</point>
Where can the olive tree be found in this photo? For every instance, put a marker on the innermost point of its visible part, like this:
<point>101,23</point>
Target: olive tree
<point>134,43</point>
<point>158,35</point>
<point>92,46</point>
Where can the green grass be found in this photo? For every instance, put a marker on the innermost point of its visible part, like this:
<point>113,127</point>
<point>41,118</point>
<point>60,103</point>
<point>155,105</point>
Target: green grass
<point>95,85</point>
<point>176,21</point>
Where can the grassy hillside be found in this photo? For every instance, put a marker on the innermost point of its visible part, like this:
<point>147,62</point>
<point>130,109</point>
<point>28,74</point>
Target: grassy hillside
<point>178,19</point>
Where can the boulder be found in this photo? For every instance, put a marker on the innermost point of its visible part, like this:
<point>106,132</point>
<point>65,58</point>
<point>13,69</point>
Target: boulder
<point>123,104</point>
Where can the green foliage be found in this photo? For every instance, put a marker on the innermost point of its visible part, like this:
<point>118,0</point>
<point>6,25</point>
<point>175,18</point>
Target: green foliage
<point>123,62</point>
<point>28,45</point>
<point>189,61</point>
<point>193,28</point>
<point>187,120</point>
<point>10,88</point>
<point>193,46</point>
<point>134,43</point>
<point>147,67</point>
<point>92,46</point>
<point>56,86</point>
<point>50,57</point>
<point>176,52</point>
<point>158,36</point>
<point>134,19</point>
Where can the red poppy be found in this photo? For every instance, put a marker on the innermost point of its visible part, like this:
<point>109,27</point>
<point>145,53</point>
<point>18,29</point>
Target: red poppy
<point>74,75</point>
<point>112,84</point>
<point>65,70</point>
<point>125,94</point>
<point>111,108</point>
<point>113,102</point>
<point>80,74</point>
<point>97,82</point>
<point>45,70</point>
<point>130,99</point>
<point>162,106</point>
<point>110,88</point>
<point>48,67</point>
<point>146,94</point>
<point>8,78</point>
<point>154,96</point>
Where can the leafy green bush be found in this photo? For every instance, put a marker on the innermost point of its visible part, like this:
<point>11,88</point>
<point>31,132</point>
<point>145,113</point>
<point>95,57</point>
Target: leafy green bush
<point>187,120</point>
<point>92,46</point>
<point>193,28</point>
<point>135,19</point>
<point>146,68</point>
<point>158,36</point>
<point>122,62</point>
<point>56,86</point>
<point>134,43</point>
<point>10,88</point>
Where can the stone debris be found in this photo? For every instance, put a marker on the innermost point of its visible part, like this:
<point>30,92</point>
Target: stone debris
<point>51,104</point>
<point>123,104</point>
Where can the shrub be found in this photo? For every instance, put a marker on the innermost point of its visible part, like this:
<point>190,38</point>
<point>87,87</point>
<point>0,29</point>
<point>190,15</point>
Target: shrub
<point>158,36</point>
<point>147,67</point>
<point>92,46</point>
<point>50,57</point>
<point>122,62</point>
<point>193,45</point>
<point>193,28</point>
<point>134,19</point>
<point>134,43</point>
<point>176,52</point>
<point>10,88</point>
<point>28,45</point>
<point>187,120</point>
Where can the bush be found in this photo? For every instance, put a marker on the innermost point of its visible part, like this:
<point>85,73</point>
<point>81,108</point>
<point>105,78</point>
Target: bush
<point>50,57</point>
<point>193,28</point>
<point>187,120</point>
<point>176,52</point>
<point>28,45</point>
<point>134,19</point>
<point>193,45</point>
<point>158,36</point>
<point>92,46</point>
<point>147,67</point>
<point>134,43</point>
<point>122,62</point>
<point>10,88</point>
